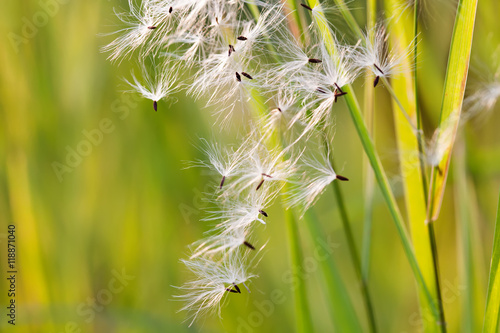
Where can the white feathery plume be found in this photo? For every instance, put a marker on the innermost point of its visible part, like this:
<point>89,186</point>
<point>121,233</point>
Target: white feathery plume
<point>486,92</point>
<point>483,99</point>
<point>264,166</point>
<point>241,212</point>
<point>223,160</point>
<point>441,141</point>
<point>213,281</point>
<point>376,56</point>
<point>318,176</point>
<point>157,86</point>
<point>323,88</point>
<point>221,243</point>
<point>142,21</point>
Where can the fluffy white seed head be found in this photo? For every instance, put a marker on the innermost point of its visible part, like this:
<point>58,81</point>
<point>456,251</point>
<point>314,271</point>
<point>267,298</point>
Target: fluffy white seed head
<point>317,176</point>
<point>212,281</point>
<point>377,56</point>
<point>156,84</point>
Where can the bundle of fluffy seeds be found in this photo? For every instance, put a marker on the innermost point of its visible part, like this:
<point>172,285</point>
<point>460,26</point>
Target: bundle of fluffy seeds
<point>243,60</point>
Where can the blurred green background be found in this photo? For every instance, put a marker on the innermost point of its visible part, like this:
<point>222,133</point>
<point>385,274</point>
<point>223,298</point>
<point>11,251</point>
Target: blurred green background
<point>128,208</point>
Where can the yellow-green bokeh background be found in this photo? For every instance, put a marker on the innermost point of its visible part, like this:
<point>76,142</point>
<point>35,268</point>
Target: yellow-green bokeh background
<point>131,205</point>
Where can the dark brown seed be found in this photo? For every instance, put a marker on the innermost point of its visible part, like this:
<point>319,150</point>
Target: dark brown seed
<point>250,246</point>
<point>342,178</point>
<point>237,288</point>
<point>315,61</point>
<point>381,71</point>
<point>238,77</point>
<point>231,50</point>
<point>222,182</point>
<point>266,175</point>
<point>321,90</point>
<point>263,213</point>
<point>337,86</point>
<point>260,184</point>
<point>231,290</point>
<point>170,10</point>
<point>247,75</point>
<point>243,38</point>
<point>306,6</point>
<point>155,105</point>
<point>376,81</point>
<point>152,27</point>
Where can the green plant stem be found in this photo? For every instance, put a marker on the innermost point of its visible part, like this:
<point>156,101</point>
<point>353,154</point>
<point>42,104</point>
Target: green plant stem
<point>456,80</point>
<point>354,256</point>
<point>435,261</point>
<point>302,317</point>
<point>492,311</point>
<point>398,102</point>
<point>343,314</point>
<point>418,115</point>
<point>351,244</point>
<point>369,115</point>
<point>378,170</point>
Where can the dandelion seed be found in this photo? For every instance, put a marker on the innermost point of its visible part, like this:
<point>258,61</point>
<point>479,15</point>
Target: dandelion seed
<point>238,77</point>
<point>205,293</point>
<point>231,50</point>
<point>225,161</point>
<point>248,76</point>
<point>318,173</point>
<point>376,55</point>
<point>220,243</point>
<point>155,87</point>
<point>242,38</point>
<point>263,213</point>
<point>170,10</point>
<point>235,215</point>
<point>140,21</point>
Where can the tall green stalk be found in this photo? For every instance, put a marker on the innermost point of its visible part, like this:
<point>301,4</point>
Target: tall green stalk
<point>380,175</point>
<point>346,227</point>
<point>492,312</point>
<point>407,138</point>
<point>369,181</point>
<point>453,95</point>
